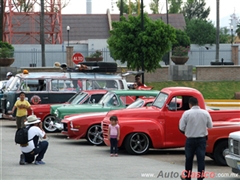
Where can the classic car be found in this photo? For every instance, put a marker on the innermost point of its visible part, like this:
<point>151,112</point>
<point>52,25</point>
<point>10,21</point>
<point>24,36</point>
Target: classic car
<point>115,99</point>
<point>88,125</point>
<point>162,120</point>
<point>232,154</point>
<point>42,111</point>
<point>58,87</point>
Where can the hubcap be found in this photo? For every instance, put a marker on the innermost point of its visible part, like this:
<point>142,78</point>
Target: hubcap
<point>48,124</point>
<point>94,135</point>
<point>139,143</point>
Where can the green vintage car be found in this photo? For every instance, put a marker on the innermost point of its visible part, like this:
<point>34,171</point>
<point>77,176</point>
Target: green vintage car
<point>115,99</point>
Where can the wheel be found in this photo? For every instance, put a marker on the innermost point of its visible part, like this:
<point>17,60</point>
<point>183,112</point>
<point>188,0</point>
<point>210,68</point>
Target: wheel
<point>218,153</point>
<point>137,143</point>
<point>48,124</point>
<point>95,135</point>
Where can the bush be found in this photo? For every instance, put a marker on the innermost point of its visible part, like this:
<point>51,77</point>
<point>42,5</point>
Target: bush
<point>6,50</point>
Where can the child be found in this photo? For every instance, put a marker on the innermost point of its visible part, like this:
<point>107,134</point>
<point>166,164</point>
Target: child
<point>22,106</point>
<point>113,135</point>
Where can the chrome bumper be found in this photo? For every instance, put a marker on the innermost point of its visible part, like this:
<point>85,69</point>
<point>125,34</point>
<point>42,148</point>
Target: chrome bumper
<point>233,161</point>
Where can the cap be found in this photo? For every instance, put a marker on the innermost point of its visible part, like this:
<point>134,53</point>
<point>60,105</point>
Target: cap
<point>9,74</point>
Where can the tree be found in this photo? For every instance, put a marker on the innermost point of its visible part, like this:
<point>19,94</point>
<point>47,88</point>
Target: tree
<point>28,5</point>
<point>224,36</point>
<point>238,30</point>
<point>175,6</point>
<point>182,39</point>
<point>127,41</point>
<point>154,6</point>
<point>200,31</point>
<point>195,9</point>
<point>133,6</point>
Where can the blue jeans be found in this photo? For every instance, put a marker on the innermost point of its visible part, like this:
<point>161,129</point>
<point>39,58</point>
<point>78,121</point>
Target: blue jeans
<point>114,147</point>
<point>192,146</point>
<point>40,150</point>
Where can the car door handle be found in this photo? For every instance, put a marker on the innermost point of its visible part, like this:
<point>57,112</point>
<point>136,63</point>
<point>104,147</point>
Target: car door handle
<point>45,97</point>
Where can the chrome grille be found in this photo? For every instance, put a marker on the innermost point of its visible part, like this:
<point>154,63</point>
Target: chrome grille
<point>65,127</point>
<point>105,129</point>
<point>236,147</point>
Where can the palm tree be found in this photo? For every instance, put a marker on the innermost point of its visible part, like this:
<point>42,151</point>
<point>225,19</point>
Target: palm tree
<point>238,30</point>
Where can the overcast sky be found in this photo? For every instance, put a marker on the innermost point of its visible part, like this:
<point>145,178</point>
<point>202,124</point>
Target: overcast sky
<point>227,7</point>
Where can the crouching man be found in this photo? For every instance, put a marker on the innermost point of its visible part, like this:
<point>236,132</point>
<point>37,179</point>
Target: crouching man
<point>34,147</point>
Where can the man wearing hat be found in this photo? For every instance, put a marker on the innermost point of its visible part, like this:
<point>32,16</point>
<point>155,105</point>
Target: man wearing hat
<point>34,146</point>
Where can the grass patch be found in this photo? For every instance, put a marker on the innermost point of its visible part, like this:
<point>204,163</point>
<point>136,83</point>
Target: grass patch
<point>210,90</point>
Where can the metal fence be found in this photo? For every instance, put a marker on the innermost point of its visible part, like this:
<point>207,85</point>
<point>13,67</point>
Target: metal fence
<point>31,57</point>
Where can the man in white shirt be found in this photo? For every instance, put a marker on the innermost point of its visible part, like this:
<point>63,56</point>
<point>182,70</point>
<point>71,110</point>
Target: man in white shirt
<point>194,124</point>
<point>34,147</point>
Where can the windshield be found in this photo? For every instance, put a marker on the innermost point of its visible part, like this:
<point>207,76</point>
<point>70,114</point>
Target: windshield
<point>15,84</point>
<point>78,98</point>
<point>109,99</point>
<point>138,103</point>
<point>160,100</point>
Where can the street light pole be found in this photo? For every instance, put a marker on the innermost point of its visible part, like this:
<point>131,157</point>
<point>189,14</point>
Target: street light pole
<point>68,29</point>
<point>42,39</point>
<point>142,27</point>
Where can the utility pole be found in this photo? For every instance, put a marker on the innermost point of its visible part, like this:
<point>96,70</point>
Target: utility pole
<point>1,20</point>
<point>217,31</point>
<point>142,27</point>
<point>42,39</point>
<point>121,9</point>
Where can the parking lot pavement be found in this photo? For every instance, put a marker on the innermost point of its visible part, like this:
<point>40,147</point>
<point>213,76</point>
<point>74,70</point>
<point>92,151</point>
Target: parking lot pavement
<point>76,159</point>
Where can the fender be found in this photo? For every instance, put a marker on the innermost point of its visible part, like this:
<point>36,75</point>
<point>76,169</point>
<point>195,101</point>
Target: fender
<point>151,127</point>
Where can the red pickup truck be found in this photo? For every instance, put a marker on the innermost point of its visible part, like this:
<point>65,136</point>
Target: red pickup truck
<point>157,126</point>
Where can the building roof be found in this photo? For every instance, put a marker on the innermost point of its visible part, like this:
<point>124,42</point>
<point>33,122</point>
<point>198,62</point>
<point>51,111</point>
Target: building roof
<point>82,26</point>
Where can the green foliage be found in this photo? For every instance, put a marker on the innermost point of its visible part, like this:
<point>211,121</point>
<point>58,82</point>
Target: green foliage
<point>6,50</point>
<point>133,6</point>
<point>195,9</point>
<point>96,54</point>
<point>200,31</point>
<point>182,39</point>
<point>180,51</point>
<point>128,42</point>
<point>224,37</point>
<point>175,6</point>
<point>238,30</point>
<point>154,6</point>
<point>210,90</point>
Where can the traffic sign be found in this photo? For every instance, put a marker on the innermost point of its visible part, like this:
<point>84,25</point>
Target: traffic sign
<point>77,58</point>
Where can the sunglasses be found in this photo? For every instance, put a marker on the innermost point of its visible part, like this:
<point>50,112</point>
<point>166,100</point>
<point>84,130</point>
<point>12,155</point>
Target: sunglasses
<point>134,85</point>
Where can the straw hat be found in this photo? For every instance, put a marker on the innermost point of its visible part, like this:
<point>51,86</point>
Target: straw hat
<point>32,119</point>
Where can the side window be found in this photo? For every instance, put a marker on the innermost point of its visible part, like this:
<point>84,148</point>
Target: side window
<point>113,101</point>
<point>179,103</point>
<point>95,98</point>
<point>126,100</point>
<point>31,85</point>
<point>63,85</point>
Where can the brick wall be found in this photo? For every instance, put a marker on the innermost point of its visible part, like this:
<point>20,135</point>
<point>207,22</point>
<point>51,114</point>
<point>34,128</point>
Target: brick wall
<point>218,73</point>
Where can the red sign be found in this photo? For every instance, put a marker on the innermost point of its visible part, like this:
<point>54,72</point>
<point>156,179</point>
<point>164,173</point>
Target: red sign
<point>77,58</point>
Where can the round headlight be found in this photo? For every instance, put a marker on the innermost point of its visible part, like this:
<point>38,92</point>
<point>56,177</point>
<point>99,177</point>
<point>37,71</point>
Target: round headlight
<point>8,104</point>
<point>56,113</point>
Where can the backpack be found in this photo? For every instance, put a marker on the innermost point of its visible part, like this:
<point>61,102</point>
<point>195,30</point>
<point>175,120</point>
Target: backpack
<point>21,136</point>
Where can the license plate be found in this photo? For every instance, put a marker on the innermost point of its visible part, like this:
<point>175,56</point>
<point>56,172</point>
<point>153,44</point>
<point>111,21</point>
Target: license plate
<point>238,165</point>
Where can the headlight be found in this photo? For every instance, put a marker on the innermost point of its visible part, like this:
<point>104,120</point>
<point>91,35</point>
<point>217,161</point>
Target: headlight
<point>71,124</point>
<point>230,145</point>
<point>56,113</point>
<point>8,104</point>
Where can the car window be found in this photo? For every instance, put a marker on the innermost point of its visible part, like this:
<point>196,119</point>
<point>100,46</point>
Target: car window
<point>63,85</point>
<point>33,85</point>
<point>138,103</point>
<point>95,98</point>
<point>79,98</point>
<point>101,84</point>
<point>160,100</point>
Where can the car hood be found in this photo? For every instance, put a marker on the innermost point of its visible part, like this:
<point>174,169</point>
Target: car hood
<point>135,113</point>
<point>81,108</point>
<point>84,116</point>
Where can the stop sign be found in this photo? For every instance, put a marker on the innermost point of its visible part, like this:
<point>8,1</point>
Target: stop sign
<point>77,58</point>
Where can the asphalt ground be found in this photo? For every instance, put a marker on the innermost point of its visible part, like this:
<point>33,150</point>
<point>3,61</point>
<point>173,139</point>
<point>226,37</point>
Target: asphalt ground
<point>75,159</point>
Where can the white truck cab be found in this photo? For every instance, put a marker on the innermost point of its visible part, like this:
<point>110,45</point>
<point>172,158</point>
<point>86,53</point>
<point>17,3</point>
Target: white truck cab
<point>232,155</point>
